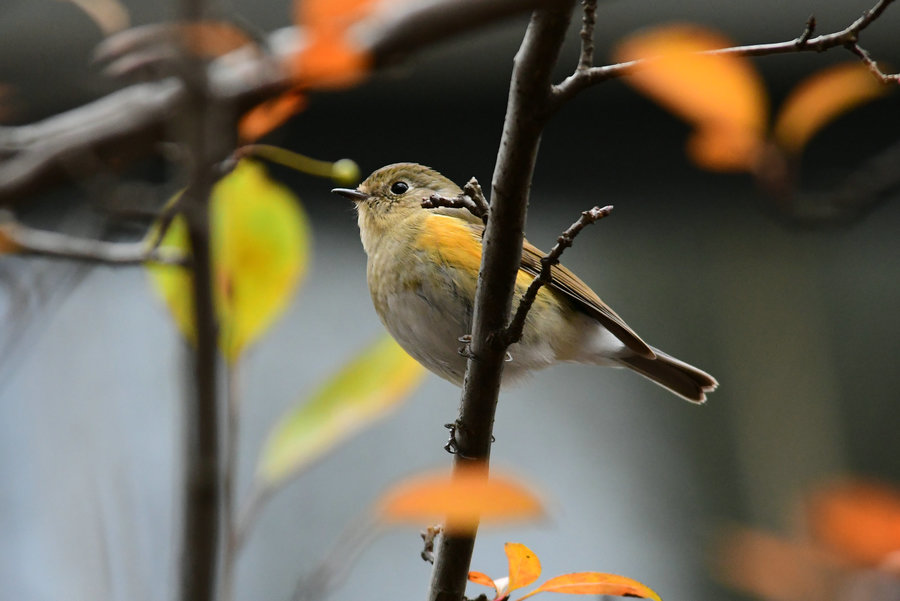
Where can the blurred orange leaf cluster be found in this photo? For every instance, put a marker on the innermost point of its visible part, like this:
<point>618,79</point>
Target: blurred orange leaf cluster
<point>854,539</point>
<point>525,569</point>
<point>723,96</point>
<point>329,59</point>
<point>461,500</point>
<point>210,39</point>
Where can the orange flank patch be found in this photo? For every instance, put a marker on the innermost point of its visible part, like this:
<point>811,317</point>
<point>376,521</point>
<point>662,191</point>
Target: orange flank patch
<point>452,240</point>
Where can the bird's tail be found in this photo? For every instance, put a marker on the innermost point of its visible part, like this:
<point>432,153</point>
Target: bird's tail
<point>685,380</point>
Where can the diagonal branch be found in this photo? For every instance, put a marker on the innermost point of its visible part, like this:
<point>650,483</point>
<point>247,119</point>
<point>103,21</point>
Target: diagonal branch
<point>564,241</point>
<point>130,123</point>
<point>848,38</point>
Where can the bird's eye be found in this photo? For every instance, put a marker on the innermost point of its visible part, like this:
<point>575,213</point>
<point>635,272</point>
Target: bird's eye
<point>399,187</point>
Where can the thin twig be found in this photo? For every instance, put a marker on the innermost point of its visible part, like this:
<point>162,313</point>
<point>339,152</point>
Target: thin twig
<point>564,241</point>
<point>472,199</point>
<point>27,240</point>
<point>848,38</point>
<point>588,20</point>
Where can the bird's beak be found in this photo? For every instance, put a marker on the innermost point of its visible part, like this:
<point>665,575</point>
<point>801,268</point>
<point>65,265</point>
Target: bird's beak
<point>352,194</point>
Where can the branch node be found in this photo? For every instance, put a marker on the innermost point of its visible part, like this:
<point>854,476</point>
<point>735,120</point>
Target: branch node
<point>472,199</point>
<point>807,32</point>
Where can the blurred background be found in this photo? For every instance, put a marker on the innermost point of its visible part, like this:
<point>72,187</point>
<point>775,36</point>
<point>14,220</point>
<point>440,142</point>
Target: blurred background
<point>799,324</point>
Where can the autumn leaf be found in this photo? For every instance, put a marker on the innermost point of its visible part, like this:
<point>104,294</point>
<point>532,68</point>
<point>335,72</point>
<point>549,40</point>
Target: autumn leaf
<point>524,565</point>
<point>485,580</point>
<point>722,96</point>
<point>461,500</point>
<point>329,59</point>
<point>260,249</point>
<point>366,388</point>
<point>268,115</point>
<point>595,583</point>
<point>856,519</point>
<point>820,98</point>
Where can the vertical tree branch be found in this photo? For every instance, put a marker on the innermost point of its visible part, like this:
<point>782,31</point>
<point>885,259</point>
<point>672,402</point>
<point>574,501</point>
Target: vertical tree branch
<point>526,113</point>
<point>206,128</point>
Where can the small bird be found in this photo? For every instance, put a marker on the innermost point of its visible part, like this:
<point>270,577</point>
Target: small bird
<point>423,269</point>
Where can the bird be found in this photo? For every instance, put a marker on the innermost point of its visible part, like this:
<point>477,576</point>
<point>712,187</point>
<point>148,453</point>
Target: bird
<point>422,272</point>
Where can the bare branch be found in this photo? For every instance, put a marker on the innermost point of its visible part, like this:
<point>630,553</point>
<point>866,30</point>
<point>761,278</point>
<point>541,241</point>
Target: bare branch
<point>847,38</point>
<point>130,123</point>
<point>472,199</point>
<point>564,241</point>
<point>526,114</point>
<point>33,241</point>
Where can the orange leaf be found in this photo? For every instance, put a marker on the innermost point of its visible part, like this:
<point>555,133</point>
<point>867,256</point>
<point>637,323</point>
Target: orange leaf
<point>484,580</point>
<point>772,568</point>
<point>820,98</point>
<point>313,13</point>
<point>8,244</point>
<point>329,60</point>
<point>595,583</point>
<point>210,39</point>
<point>723,96</point>
<point>268,115</point>
<point>858,520</point>
<point>524,565</point>
<point>461,500</point>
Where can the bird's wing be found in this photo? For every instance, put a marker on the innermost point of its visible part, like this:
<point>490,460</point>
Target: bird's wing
<point>584,299</point>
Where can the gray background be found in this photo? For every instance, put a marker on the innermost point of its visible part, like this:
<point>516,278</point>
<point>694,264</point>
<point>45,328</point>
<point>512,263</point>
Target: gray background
<point>799,325</point>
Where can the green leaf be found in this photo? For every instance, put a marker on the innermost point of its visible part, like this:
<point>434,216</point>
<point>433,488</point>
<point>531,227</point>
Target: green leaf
<point>260,245</point>
<point>374,382</point>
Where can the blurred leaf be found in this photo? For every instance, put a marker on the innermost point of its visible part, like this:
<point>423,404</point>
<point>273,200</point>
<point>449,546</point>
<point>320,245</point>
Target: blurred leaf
<point>723,96</point>
<point>210,39</point>
<point>858,520</point>
<point>484,580</point>
<point>820,98</point>
<point>260,248</point>
<point>7,244</point>
<point>261,243</point>
<point>771,568</point>
<point>329,59</point>
<point>461,500</point>
<point>374,382</point>
<point>268,115</point>
<point>524,565</point>
<point>109,15</point>
<point>595,583</point>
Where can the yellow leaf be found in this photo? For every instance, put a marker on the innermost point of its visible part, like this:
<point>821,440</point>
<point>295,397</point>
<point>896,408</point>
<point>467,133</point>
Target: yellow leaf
<point>820,98</point>
<point>374,382</point>
<point>595,583</point>
<point>723,96</point>
<point>524,565</point>
<point>461,500</point>
<point>260,249</point>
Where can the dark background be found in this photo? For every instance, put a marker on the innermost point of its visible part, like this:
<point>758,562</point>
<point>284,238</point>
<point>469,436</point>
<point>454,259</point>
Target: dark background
<point>799,324</point>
